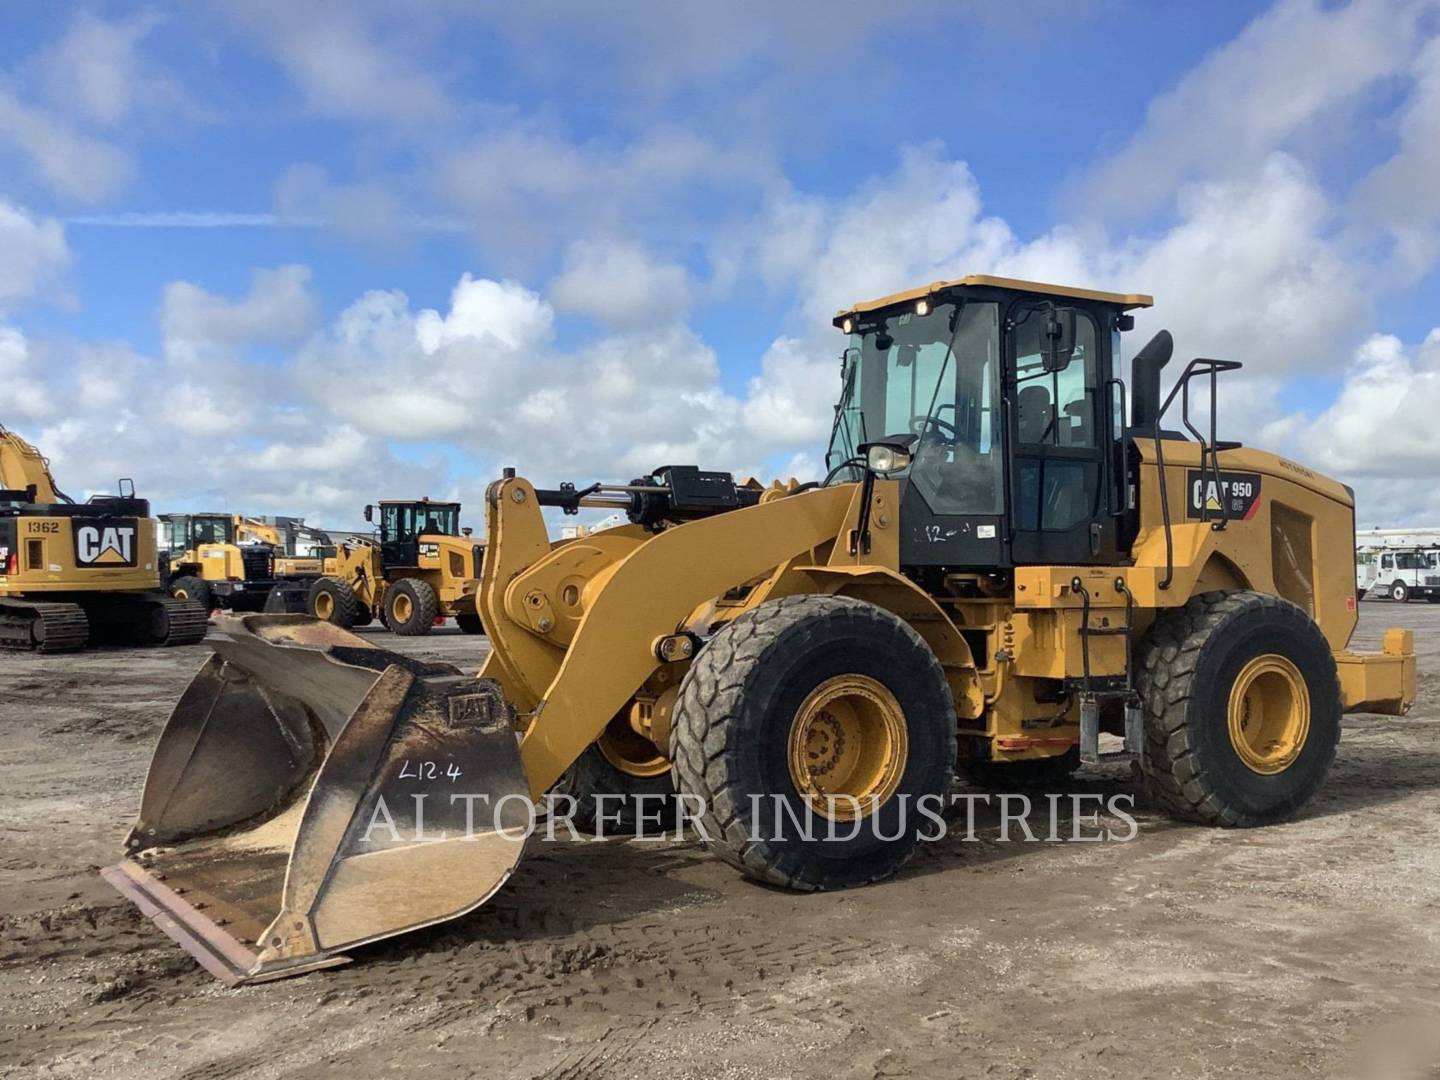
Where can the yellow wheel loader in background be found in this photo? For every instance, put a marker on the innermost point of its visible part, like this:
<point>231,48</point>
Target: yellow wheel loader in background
<point>421,567</point>
<point>997,570</point>
<point>218,561</point>
<point>73,574</point>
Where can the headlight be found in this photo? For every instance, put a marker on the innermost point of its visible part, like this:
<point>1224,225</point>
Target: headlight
<point>887,459</point>
<point>847,327</point>
<point>922,307</point>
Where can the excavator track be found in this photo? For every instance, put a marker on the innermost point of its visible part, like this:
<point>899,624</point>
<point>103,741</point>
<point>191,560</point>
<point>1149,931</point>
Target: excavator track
<point>186,621</point>
<point>43,627</point>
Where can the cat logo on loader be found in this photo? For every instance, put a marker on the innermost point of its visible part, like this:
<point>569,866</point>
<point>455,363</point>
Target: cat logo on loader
<point>991,574</point>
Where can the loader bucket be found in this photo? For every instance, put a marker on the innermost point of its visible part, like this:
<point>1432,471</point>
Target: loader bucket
<point>311,793</point>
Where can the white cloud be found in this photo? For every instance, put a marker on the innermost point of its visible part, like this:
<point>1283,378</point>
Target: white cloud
<point>620,283</point>
<point>1276,86</point>
<point>95,72</point>
<point>75,165</point>
<point>26,397</point>
<point>92,76</point>
<point>487,376</point>
<point>197,324</point>
<point>1403,193</point>
<point>791,401</point>
<point>1382,422</point>
<point>33,255</point>
<point>504,312</point>
<point>347,64</point>
<point>1250,272</point>
<point>529,189</point>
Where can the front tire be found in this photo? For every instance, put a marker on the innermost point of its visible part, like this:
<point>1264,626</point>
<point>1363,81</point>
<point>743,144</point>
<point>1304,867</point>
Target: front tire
<point>807,697</point>
<point>1399,592</point>
<point>1242,709</point>
<point>193,589</point>
<point>411,607</point>
<point>335,602</point>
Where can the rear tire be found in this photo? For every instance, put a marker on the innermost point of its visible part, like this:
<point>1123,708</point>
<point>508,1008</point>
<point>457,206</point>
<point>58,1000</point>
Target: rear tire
<point>1399,592</point>
<point>411,607</point>
<point>469,623</point>
<point>1225,681</point>
<point>833,690</point>
<point>193,589</point>
<point>334,601</point>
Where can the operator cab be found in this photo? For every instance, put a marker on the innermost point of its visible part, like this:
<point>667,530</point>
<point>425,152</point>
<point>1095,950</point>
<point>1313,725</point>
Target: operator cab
<point>402,524</point>
<point>180,533</point>
<point>1004,393</point>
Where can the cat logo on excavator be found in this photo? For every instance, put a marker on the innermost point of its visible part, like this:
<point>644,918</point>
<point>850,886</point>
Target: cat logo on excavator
<point>105,544</point>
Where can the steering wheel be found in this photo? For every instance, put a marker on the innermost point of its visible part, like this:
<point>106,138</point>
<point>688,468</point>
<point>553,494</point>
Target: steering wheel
<point>919,425</point>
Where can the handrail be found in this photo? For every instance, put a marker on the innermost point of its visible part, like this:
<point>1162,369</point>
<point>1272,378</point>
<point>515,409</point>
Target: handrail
<point>1209,449</point>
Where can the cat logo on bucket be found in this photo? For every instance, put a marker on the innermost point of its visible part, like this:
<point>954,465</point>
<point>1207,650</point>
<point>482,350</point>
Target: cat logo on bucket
<point>105,543</point>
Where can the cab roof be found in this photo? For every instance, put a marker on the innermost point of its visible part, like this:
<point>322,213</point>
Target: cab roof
<point>1124,301</point>
<point>417,502</point>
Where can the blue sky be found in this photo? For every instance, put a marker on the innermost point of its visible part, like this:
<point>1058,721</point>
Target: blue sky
<point>617,229</point>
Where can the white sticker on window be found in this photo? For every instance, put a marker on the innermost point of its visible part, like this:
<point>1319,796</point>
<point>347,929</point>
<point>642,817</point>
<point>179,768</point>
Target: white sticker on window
<point>984,532</point>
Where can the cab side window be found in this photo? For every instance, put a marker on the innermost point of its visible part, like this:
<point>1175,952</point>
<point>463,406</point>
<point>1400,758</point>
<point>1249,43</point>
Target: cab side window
<point>1056,410</point>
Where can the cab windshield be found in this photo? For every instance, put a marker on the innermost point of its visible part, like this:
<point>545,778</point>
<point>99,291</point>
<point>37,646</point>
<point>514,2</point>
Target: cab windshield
<point>212,530</point>
<point>402,521</point>
<point>935,377</point>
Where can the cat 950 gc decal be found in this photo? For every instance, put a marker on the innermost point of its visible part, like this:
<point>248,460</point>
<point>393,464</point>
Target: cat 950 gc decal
<point>1237,495</point>
<point>105,542</point>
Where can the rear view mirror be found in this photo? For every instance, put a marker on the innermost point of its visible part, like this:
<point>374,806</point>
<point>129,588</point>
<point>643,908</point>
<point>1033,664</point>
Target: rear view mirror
<point>369,513</point>
<point>1059,343</point>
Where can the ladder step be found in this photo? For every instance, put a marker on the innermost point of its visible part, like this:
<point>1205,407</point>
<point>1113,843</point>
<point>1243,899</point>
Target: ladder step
<point>1134,729</point>
<point>1089,730</point>
<point>1103,631</point>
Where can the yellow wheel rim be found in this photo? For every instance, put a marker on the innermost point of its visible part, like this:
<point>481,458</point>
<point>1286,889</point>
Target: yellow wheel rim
<point>631,752</point>
<point>402,608</point>
<point>324,606</point>
<point>1269,714</point>
<point>848,747</point>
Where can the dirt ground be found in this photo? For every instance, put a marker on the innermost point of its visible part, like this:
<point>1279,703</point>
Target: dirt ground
<point>1311,948</point>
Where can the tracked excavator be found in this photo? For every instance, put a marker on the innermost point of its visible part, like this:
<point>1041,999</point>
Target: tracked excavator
<point>1003,565</point>
<point>73,573</point>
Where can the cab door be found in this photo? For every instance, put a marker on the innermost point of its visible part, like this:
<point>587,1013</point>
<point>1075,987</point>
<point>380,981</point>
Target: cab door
<point>399,542</point>
<point>1062,436</point>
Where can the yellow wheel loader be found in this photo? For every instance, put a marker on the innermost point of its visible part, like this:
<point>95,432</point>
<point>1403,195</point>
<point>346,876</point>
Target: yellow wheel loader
<point>220,561</point>
<point>997,572</point>
<point>73,574</point>
<point>421,567</point>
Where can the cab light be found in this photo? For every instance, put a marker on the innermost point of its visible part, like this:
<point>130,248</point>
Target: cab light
<point>922,307</point>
